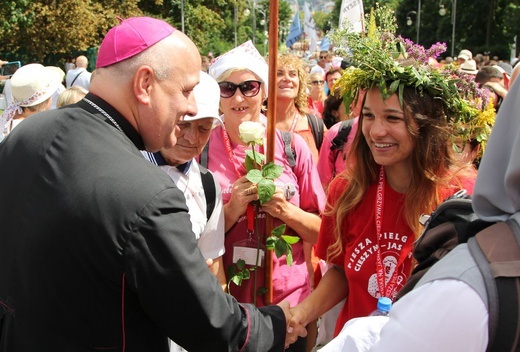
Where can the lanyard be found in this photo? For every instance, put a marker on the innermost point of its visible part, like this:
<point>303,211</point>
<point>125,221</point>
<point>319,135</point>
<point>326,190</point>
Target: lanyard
<point>385,290</point>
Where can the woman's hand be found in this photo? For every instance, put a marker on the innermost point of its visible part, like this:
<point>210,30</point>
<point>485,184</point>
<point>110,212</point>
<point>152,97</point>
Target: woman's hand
<point>278,205</point>
<point>242,193</point>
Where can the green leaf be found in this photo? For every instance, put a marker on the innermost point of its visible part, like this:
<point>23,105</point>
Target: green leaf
<point>280,248</point>
<point>237,279</point>
<point>249,164</point>
<point>255,176</point>
<point>262,290</point>
<point>279,230</point>
<point>271,170</point>
<point>241,264</point>
<point>258,157</point>
<point>266,189</point>
<point>246,275</point>
<point>231,270</point>
<point>270,242</point>
<point>290,239</point>
<point>289,258</point>
<point>394,86</point>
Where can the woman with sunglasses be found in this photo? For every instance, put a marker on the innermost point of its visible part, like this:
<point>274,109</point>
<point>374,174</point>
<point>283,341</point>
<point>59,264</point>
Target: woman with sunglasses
<point>242,75</point>
<point>317,95</point>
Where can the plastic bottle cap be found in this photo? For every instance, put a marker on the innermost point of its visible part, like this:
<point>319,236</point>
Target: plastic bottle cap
<point>384,304</point>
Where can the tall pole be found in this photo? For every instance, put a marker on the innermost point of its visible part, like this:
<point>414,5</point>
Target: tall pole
<point>454,20</point>
<point>418,20</point>
<point>271,122</point>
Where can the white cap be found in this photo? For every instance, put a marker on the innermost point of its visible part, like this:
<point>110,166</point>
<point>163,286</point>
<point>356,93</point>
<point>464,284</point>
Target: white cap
<point>243,56</point>
<point>207,95</point>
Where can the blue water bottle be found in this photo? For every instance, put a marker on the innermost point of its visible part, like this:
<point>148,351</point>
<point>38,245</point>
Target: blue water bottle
<point>383,307</point>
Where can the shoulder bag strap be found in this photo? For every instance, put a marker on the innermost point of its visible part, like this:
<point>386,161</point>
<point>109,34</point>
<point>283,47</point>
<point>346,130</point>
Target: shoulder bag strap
<point>496,251</point>
<point>210,192</point>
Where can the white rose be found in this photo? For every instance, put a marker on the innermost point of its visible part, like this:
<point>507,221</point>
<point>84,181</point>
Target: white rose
<point>251,131</point>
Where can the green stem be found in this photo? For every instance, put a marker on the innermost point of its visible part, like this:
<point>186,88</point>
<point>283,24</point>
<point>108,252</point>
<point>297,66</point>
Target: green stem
<point>257,233</point>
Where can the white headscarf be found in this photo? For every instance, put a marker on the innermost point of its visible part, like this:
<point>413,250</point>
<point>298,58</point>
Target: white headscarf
<point>497,190</point>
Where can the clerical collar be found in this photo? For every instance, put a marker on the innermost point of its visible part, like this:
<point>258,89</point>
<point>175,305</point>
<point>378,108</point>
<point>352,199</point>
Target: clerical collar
<point>97,105</point>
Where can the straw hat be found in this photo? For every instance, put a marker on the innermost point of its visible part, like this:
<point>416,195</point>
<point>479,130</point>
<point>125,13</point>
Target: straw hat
<point>32,84</point>
<point>469,66</point>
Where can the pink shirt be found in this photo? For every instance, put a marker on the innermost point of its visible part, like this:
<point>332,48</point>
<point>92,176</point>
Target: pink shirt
<point>289,282</point>
<point>325,164</point>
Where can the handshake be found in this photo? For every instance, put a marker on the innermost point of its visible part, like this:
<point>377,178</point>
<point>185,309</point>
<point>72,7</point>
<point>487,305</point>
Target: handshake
<point>295,323</point>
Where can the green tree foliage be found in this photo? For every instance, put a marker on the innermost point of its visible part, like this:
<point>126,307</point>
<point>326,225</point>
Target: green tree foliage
<point>41,31</point>
<point>481,25</point>
<point>49,31</point>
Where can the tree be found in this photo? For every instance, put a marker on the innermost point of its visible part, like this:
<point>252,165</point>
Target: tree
<point>47,31</point>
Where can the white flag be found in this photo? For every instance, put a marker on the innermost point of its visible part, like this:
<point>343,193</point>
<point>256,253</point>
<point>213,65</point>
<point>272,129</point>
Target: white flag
<point>351,13</point>
<point>309,28</point>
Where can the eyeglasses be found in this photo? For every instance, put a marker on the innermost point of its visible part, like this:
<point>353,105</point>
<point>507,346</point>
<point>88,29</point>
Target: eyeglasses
<point>323,57</point>
<point>248,88</point>
<point>315,83</point>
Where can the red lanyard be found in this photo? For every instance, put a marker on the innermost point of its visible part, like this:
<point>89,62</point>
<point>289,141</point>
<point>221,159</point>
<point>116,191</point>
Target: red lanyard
<point>251,213</point>
<point>385,290</point>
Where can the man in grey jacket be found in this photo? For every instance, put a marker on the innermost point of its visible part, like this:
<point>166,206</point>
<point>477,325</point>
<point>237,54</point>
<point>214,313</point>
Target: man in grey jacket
<point>96,247</point>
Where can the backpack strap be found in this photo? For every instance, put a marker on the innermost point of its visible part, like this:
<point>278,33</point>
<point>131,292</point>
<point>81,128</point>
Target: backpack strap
<point>317,128</point>
<point>75,78</point>
<point>289,151</point>
<point>337,144</point>
<point>210,192</point>
<point>496,251</point>
<point>203,158</point>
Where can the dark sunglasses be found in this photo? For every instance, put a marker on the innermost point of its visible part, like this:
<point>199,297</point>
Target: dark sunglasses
<point>317,82</point>
<point>247,88</point>
<point>323,57</point>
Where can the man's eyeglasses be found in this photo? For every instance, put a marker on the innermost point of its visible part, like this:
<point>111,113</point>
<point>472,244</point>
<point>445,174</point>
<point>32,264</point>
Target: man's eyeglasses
<point>315,83</point>
<point>323,57</point>
<point>247,88</point>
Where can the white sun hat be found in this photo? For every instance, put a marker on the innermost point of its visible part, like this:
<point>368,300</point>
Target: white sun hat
<point>31,85</point>
<point>243,56</point>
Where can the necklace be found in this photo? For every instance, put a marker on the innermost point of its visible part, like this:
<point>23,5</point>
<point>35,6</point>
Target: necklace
<point>95,106</point>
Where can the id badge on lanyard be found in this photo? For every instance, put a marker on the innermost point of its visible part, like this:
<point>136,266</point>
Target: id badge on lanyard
<point>249,250</point>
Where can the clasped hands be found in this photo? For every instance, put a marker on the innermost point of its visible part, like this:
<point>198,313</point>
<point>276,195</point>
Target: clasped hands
<point>295,325</point>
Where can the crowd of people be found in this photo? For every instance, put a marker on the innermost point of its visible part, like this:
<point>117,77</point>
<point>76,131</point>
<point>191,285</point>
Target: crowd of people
<point>129,211</point>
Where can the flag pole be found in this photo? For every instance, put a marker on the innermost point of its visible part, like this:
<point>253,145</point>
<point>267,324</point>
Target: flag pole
<point>271,132</point>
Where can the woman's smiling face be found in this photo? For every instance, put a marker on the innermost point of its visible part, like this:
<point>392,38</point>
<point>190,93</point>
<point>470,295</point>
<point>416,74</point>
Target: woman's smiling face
<point>240,108</point>
<point>385,130</point>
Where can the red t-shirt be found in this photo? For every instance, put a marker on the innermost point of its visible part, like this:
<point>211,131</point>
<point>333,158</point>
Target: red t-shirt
<point>360,245</point>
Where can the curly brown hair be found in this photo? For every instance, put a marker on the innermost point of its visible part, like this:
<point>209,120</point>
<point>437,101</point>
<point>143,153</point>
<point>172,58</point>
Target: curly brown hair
<point>294,62</point>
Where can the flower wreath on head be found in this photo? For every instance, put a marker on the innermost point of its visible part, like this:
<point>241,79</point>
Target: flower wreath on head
<point>476,115</point>
<point>380,59</point>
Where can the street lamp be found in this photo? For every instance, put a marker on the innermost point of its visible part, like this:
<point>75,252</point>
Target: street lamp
<point>442,12</point>
<point>235,22</point>
<point>182,16</point>
<point>409,22</point>
<point>263,22</point>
